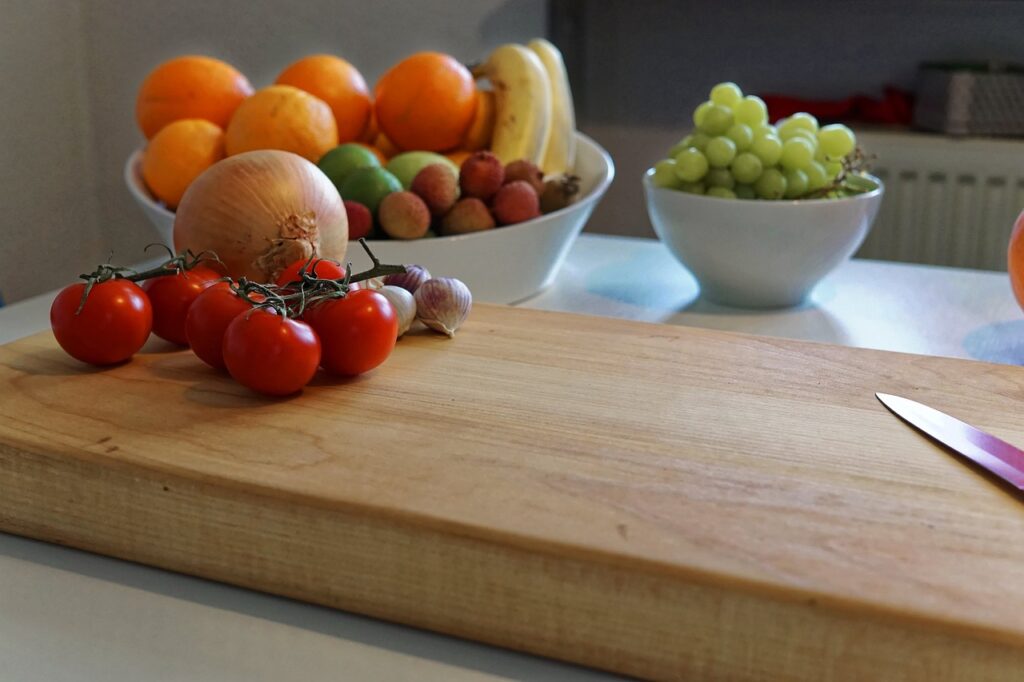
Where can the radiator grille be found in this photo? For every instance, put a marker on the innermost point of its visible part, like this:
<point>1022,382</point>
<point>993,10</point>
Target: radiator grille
<point>948,201</point>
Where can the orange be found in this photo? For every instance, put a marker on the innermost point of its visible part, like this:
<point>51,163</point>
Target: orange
<point>426,102</point>
<point>482,128</point>
<point>282,117</point>
<point>1015,259</point>
<point>178,154</point>
<point>372,131</point>
<point>458,156</point>
<point>189,87</point>
<point>338,83</point>
<point>386,146</point>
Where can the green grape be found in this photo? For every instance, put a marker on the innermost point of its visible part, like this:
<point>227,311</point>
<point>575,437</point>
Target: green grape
<point>763,129</point>
<point>768,149</point>
<point>665,174</point>
<point>771,184</point>
<point>747,167</point>
<point>680,146</point>
<point>836,140</point>
<point>816,177</point>
<point>691,165</point>
<point>796,183</point>
<point>832,169</point>
<point>796,153</point>
<point>700,141</point>
<point>716,120</point>
<point>742,135</point>
<point>726,94</point>
<point>800,132</point>
<point>720,152</point>
<point>692,187</point>
<point>721,192</point>
<point>801,120</point>
<point>720,177</point>
<point>699,113</point>
<point>751,111</point>
<point>745,192</point>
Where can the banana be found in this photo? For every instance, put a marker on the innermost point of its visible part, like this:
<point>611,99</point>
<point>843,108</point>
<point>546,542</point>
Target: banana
<point>523,111</point>
<point>560,155</point>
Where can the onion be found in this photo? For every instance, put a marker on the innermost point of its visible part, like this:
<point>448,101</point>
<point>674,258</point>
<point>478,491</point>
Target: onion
<point>261,211</point>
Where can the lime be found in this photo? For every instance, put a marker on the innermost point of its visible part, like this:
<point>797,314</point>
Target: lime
<point>339,163</point>
<point>368,186</point>
<point>405,166</point>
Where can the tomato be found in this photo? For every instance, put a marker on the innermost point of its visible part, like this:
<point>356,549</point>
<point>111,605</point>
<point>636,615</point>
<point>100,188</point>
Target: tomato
<point>112,326</point>
<point>357,332</point>
<point>208,317</point>
<point>323,269</point>
<point>270,353</point>
<point>171,296</point>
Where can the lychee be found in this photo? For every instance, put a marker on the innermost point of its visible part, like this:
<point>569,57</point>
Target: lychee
<point>360,220</point>
<point>481,176</point>
<point>403,215</point>
<point>438,186</point>
<point>515,202</point>
<point>559,193</point>
<point>526,171</point>
<point>467,215</point>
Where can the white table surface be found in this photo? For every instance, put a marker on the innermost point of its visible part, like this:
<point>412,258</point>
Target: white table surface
<point>70,615</point>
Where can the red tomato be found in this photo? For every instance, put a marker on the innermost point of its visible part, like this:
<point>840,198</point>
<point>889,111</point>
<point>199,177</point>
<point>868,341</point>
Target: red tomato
<point>112,326</point>
<point>171,296</point>
<point>269,353</point>
<point>323,269</point>
<point>208,317</point>
<point>358,332</point>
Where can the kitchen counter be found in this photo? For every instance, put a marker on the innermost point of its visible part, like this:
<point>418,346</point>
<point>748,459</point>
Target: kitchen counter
<point>71,615</point>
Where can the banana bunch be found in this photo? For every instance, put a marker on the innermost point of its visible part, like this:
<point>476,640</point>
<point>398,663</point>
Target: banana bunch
<point>534,114</point>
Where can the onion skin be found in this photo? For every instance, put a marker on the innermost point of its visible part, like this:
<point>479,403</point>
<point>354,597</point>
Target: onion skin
<point>261,211</point>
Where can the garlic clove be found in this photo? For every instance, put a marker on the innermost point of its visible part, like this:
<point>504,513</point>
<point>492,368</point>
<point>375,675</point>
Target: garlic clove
<point>443,304</point>
<point>411,279</point>
<point>403,303</point>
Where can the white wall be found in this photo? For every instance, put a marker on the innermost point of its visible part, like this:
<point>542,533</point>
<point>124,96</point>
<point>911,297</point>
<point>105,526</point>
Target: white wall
<point>75,66</point>
<point>49,229</point>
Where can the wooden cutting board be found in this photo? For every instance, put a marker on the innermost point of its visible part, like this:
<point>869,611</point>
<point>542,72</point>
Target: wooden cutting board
<point>659,501</point>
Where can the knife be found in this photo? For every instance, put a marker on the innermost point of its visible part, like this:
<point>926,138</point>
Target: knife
<point>984,449</point>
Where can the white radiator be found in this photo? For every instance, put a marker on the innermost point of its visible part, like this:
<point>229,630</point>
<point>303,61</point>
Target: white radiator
<point>947,201</point>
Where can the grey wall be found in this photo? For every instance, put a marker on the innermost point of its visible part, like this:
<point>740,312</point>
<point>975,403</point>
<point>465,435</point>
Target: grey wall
<point>642,67</point>
<point>69,70</point>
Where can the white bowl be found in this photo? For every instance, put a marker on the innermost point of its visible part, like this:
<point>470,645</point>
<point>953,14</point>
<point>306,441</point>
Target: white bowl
<point>759,254</point>
<point>504,265</point>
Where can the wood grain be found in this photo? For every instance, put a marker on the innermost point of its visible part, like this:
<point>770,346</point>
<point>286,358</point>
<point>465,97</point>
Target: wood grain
<point>659,501</point>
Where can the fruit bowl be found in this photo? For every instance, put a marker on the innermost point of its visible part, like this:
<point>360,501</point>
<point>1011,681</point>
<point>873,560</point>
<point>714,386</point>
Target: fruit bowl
<point>760,254</point>
<point>503,265</point>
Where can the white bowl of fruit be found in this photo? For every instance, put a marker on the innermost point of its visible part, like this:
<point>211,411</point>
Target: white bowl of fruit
<point>760,213</point>
<point>489,182</point>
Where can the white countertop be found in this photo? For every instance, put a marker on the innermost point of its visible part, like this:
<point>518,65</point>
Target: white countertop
<point>70,615</point>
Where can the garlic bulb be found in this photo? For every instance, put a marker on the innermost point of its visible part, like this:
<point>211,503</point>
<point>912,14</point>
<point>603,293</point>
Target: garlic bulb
<point>443,304</point>
<point>411,279</point>
<point>403,303</point>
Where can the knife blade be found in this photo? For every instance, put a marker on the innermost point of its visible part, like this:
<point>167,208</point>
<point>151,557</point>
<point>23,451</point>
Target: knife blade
<point>984,449</point>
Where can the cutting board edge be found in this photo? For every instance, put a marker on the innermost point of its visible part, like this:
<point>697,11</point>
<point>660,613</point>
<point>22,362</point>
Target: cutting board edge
<point>183,507</point>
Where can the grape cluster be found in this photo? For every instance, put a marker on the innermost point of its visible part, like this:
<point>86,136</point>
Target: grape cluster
<point>735,153</point>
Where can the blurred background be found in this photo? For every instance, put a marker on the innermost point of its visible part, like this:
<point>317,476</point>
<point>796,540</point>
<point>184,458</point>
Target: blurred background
<point>70,69</point>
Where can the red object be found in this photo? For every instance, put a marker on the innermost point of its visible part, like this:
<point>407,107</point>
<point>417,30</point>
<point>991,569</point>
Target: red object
<point>207,319</point>
<point>269,353</point>
<point>171,297</point>
<point>357,332</point>
<point>324,269</point>
<point>360,220</point>
<point>111,327</point>
<point>895,108</point>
